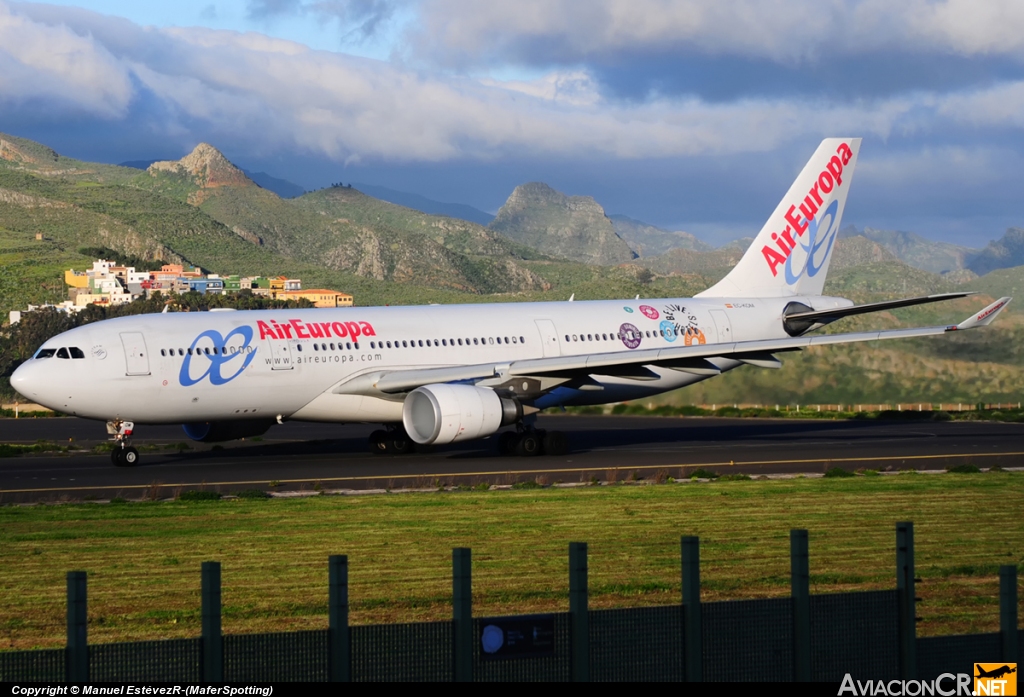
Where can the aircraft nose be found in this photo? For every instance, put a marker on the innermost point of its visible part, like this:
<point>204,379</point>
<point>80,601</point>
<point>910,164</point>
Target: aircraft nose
<point>26,380</point>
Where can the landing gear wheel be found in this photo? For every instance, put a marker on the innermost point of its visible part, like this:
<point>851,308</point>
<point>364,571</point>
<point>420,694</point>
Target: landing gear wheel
<point>400,444</point>
<point>507,443</point>
<point>125,457</point>
<point>529,445</point>
<point>556,443</point>
<point>379,443</point>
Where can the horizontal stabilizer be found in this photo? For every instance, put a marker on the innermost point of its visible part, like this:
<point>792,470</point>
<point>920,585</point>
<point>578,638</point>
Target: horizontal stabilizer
<point>985,317</point>
<point>799,321</point>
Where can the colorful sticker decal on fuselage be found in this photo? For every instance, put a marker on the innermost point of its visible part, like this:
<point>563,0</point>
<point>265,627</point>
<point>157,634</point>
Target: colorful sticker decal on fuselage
<point>221,356</point>
<point>694,336</point>
<point>668,330</point>
<point>630,335</point>
<point>680,319</point>
<point>649,312</point>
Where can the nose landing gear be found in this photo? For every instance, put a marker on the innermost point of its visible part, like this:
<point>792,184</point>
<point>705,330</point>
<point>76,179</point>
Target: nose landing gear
<point>123,454</point>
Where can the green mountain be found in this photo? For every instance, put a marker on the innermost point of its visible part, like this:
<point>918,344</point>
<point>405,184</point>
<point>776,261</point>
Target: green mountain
<point>708,265</point>
<point>344,230</point>
<point>203,210</point>
<point>958,262</point>
<point>1004,253</point>
<point>916,251</point>
<point>426,205</point>
<point>571,227</point>
<point>649,240</point>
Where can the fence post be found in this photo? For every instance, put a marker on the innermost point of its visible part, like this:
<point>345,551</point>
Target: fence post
<point>213,640</point>
<point>906,593</point>
<point>339,666</point>
<point>800,580</point>
<point>579,619</point>
<point>462,615</point>
<point>77,652</point>
<point>692,624</point>
<point>1008,612</point>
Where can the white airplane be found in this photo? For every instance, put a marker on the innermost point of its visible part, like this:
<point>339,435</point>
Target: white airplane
<point>441,374</point>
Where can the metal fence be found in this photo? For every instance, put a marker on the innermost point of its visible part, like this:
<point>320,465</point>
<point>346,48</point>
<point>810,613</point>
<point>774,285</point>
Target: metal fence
<point>869,635</point>
<point>418,652</point>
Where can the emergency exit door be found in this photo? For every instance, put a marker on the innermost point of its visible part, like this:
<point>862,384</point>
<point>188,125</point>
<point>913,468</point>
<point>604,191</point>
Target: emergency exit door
<point>548,337</point>
<point>135,354</point>
<point>722,325</point>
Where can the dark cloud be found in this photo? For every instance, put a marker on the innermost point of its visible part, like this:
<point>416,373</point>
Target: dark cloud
<point>714,148</point>
<point>264,9</point>
<point>636,76</point>
<point>356,19</point>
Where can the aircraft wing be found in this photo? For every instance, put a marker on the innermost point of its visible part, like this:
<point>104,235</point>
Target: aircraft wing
<point>631,364</point>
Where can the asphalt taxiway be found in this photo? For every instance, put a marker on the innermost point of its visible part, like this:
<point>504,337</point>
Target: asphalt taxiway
<point>296,456</point>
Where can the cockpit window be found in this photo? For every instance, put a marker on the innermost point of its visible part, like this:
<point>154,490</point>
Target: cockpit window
<point>76,352</point>
<point>62,353</point>
<point>46,353</point>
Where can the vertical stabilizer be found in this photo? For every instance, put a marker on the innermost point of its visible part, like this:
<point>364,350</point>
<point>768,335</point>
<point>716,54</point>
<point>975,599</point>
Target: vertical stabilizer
<point>791,254</point>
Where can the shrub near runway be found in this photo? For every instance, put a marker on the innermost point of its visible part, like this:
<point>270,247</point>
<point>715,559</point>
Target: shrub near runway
<point>143,558</point>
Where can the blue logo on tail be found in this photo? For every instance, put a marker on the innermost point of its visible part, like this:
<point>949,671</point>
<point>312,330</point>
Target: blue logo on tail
<point>816,239</point>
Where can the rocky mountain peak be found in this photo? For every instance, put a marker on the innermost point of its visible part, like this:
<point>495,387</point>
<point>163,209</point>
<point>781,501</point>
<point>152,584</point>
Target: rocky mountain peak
<point>573,227</point>
<point>207,166</point>
<point>540,194</point>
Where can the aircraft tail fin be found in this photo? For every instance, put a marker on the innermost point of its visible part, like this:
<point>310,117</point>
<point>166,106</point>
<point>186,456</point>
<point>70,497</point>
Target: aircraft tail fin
<point>791,254</point>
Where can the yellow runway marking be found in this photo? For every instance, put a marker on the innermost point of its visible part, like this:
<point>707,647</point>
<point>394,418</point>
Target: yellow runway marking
<point>570,470</point>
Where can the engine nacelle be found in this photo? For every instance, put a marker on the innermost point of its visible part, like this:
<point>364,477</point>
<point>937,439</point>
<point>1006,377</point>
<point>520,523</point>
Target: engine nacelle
<point>219,431</point>
<point>450,413</point>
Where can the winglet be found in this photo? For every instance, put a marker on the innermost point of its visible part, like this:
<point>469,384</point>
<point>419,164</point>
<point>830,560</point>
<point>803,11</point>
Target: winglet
<point>985,317</point>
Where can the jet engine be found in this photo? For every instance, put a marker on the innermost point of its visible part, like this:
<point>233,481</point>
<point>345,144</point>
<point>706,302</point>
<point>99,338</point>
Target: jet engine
<point>450,413</point>
<point>219,431</point>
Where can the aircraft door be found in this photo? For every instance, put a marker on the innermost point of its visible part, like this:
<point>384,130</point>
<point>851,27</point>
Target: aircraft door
<point>548,337</point>
<point>280,355</point>
<point>135,354</point>
<point>722,325</point>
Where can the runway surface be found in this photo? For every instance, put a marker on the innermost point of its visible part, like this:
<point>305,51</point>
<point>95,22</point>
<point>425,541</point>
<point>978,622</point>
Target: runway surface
<point>299,456</point>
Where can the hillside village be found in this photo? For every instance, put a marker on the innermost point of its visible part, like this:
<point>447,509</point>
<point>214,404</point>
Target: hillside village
<point>108,284</point>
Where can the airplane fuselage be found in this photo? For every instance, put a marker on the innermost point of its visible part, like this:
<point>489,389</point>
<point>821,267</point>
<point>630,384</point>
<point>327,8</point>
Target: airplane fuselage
<point>287,364</point>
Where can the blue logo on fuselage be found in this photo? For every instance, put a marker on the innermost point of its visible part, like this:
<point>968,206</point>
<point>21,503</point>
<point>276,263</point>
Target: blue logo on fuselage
<point>668,330</point>
<point>220,355</point>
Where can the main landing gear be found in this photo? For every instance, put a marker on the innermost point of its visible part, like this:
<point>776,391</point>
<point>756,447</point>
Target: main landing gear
<point>524,442</point>
<point>532,442</point>
<point>393,441</point>
<point>123,454</point>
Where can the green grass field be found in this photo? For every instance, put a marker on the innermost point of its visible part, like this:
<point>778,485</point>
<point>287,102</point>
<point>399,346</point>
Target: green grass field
<point>143,558</point>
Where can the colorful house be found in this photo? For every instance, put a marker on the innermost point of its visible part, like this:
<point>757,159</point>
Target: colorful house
<point>319,297</point>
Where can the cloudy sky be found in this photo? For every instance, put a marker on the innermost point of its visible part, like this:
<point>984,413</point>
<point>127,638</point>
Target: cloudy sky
<point>687,114</point>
